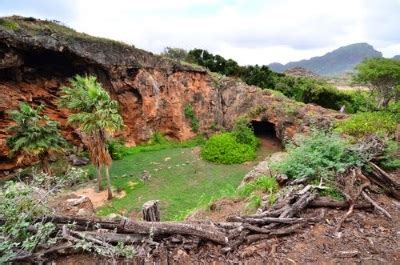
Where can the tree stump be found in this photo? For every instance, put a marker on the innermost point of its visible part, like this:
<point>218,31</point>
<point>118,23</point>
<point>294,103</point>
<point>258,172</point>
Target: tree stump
<point>151,211</point>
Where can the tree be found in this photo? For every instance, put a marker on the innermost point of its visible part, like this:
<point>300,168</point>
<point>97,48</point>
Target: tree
<point>34,135</point>
<point>96,116</point>
<point>383,77</point>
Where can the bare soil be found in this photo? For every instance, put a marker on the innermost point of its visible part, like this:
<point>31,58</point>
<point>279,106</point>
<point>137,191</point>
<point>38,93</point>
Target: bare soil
<point>98,198</point>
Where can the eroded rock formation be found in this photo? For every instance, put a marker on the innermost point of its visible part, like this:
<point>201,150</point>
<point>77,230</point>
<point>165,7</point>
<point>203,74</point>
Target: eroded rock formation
<point>38,57</point>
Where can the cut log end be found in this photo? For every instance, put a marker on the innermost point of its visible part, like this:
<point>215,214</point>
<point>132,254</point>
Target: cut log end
<point>151,211</point>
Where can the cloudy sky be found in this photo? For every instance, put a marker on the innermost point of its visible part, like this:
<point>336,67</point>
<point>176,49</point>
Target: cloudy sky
<point>249,31</point>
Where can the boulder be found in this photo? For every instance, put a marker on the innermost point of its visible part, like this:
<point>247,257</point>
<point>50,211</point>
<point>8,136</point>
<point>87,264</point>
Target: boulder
<point>78,161</point>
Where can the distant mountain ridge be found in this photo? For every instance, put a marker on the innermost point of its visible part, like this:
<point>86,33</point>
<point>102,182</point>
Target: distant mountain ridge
<point>339,61</point>
<point>397,57</point>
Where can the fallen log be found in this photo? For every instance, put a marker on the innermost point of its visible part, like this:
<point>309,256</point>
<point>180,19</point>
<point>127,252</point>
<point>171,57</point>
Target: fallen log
<point>268,220</point>
<point>384,180</point>
<point>379,208</point>
<point>329,203</point>
<point>207,232</point>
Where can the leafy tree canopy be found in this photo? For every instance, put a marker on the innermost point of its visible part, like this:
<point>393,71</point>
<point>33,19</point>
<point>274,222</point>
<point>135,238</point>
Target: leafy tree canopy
<point>383,76</point>
<point>92,106</point>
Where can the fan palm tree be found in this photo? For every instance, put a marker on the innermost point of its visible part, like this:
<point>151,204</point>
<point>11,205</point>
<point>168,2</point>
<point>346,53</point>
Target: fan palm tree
<point>34,135</point>
<point>96,116</point>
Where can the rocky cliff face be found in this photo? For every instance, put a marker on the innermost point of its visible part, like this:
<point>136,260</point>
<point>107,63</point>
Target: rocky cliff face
<point>38,57</point>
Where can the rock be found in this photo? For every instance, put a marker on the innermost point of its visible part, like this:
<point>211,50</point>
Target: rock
<point>83,212</point>
<point>278,157</point>
<point>348,254</point>
<point>262,169</point>
<point>78,161</point>
<point>145,175</point>
<point>77,201</point>
<point>281,178</point>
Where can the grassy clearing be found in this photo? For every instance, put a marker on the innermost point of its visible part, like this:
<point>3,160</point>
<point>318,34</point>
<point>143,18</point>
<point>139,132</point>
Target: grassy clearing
<point>180,180</point>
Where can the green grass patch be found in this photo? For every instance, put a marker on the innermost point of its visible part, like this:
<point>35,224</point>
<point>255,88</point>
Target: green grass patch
<point>179,179</point>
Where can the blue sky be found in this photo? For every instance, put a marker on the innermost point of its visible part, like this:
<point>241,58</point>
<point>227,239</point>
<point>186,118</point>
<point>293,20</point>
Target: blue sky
<point>250,32</point>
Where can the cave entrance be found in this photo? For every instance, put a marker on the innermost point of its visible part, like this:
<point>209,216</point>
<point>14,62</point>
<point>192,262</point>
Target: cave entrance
<point>266,132</point>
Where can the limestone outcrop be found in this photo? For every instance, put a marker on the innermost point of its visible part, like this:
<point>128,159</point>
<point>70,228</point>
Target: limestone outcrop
<point>38,57</point>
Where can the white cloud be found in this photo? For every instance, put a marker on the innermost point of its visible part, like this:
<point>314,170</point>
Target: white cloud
<point>248,31</point>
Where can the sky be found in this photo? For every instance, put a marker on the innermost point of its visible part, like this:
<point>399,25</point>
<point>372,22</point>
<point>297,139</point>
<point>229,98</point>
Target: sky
<point>248,31</point>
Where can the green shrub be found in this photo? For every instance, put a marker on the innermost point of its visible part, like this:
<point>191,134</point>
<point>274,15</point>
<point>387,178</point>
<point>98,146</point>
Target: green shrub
<point>317,155</point>
<point>18,208</point>
<point>157,139</point>
<point>358,101</point>
<point>117,149</point>
<point>365,123</point>
<point>244,134</point>
<point>191,116</point>
<point>223,148</point>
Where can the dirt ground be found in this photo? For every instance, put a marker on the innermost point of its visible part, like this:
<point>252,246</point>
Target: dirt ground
<point>98,198</point>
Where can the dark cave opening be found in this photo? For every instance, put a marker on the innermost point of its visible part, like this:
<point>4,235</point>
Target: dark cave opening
<point>263,129</point>
<point>266,133</point>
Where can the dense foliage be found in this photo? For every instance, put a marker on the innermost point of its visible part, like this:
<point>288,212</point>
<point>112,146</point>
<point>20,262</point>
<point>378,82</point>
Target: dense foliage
<point>18,208</point>
<point>244,134</point>
<point>34,135</point>
<point>223,148</point>
<point>383,77</point>
<point>364,123</point>
<point>234,147</point>
<point>309,90</point>
<point>319,155</point>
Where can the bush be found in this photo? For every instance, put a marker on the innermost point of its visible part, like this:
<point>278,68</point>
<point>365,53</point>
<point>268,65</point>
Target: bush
<point>244,134</point>
<point>117,149</point>
<point>19,205</point>
<point>365,123</point>
<point>223,148</point>
<point>318,155</point>
<point>158,139</point>
<point>358,101</point>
